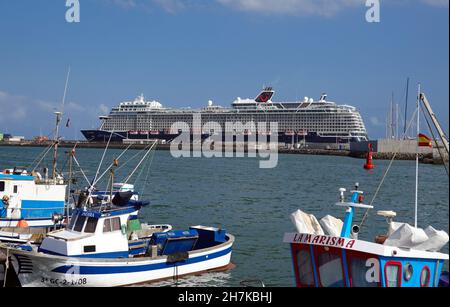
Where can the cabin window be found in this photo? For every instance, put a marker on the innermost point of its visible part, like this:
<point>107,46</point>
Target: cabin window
<point>393,274</point>
<point>2,186</point>
<point>360,275</point>
<point>425,277</point>
<point>305,268</point>
<point>107,225</point>
<point>89,249</point>
<point>115,224</point>
<point>91,225</point>
<point>79,223</point>
<point>15,189</point>
<point>330,269</point>
<point>112,224</point>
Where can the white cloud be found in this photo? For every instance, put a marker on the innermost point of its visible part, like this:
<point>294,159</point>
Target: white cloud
<point>27,115</point>
<point>103,109</point>
<point>279,7</point>
<point>292,7</point>
<point>14,107</point>
<point>375,121</point>
<point>437,3</point>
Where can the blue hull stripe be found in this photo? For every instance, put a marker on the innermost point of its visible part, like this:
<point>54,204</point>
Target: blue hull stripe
<point>123,254</point>
<point>95,270</point>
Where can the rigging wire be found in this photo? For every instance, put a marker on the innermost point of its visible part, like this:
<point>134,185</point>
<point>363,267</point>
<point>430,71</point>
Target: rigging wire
<point>386,172</point>
<point>148,166</point>
<point>45,152</point>
<point>140,162</point>
<point>110,166</point>
<point>101,161</point>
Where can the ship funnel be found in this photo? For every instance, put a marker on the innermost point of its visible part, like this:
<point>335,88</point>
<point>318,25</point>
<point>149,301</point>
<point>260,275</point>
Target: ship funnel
<point>323,97</point>
<point>265,95</point>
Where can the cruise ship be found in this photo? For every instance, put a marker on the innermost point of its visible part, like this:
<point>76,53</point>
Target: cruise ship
<point>308,120</point>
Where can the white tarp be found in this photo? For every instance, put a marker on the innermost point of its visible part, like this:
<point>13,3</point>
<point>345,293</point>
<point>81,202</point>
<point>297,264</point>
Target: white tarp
<point>331,225</point>
<point>306,223</point>
<point>406,236</point>
<point>393,226</point>
<point>436,240</point>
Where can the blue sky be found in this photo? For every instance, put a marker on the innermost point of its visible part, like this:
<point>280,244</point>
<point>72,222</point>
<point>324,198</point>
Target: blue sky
<point>185,52</point>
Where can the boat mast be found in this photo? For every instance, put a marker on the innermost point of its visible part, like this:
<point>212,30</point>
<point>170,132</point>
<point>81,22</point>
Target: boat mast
<point>56,140</point>
<point>417,157</point>
<point>406,107</point>
<point>58,121</point>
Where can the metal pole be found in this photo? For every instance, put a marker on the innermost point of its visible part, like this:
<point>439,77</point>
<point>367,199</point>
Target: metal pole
<point>417,158</point>
<point>406,106</point>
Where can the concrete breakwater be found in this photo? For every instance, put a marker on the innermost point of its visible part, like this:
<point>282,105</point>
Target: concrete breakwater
<point>430,158</point>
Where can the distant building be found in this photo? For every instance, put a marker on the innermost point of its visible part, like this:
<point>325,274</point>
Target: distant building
<point>15,139</point>
<point>41,139</point>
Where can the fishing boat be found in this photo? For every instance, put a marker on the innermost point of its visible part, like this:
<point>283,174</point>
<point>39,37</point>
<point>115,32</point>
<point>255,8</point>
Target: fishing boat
<point>31,199</point>
<point>328,253</point>
<point>99,249</point>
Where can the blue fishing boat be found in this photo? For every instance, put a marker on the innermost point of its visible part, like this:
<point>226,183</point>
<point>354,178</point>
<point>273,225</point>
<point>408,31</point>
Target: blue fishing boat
<point>329,253</point>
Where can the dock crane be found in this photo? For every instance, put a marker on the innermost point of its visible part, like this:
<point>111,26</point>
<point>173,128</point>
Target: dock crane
<point>442,135</point>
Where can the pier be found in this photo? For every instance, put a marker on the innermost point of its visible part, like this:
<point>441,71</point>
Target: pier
<point>383,149</point>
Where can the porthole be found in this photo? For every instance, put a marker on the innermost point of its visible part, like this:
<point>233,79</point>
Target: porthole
<point>425,277</point>
<point>408,272</point>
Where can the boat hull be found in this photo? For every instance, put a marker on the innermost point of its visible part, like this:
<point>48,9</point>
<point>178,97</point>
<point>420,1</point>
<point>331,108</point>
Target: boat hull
<point>45,222</point>
<point>40,270</point>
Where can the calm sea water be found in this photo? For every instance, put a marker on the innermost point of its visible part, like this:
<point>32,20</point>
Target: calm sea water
<point>254,204</point>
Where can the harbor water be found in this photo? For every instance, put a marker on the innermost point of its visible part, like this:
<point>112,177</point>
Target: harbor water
<point>254,204</point>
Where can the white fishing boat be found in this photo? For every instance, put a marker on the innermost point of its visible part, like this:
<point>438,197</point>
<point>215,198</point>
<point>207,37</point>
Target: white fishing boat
<point>98,250</point>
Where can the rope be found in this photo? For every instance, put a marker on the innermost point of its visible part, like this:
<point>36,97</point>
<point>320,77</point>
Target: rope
<point>386,172</point>
<point>110,166</point>
<point>43,156</point>
<point>148,167</point>
<point>148,173</point>
<point>82,172</point>
<point>101,162</point>
<point>140,162</point>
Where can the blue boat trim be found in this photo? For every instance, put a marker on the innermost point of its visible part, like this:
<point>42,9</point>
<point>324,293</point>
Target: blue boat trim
<point>96,270</point>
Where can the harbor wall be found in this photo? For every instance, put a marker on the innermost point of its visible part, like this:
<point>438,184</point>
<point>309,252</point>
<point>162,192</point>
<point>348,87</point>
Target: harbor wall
<point>390,146</point>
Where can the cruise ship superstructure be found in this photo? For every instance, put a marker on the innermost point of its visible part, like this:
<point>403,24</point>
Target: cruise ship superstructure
<point>309,120</point>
